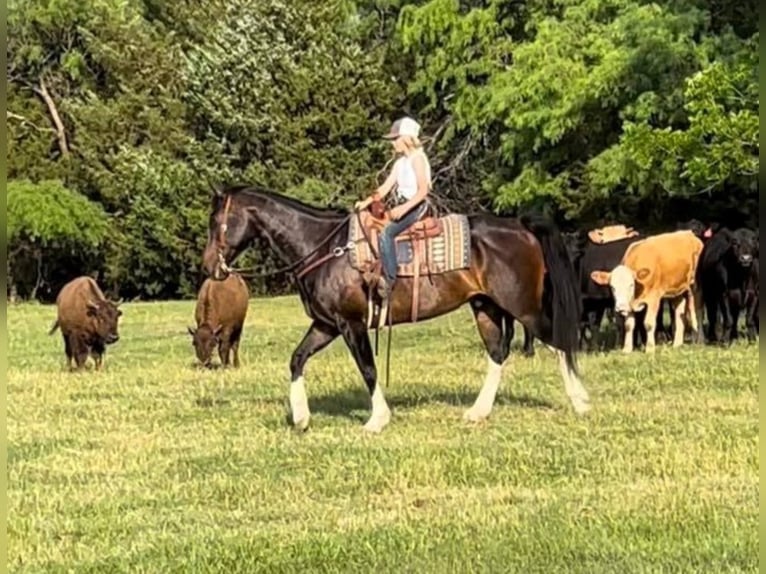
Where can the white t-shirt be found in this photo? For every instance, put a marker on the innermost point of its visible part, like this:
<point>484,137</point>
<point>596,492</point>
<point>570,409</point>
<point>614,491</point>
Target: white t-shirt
<point>406,180</point>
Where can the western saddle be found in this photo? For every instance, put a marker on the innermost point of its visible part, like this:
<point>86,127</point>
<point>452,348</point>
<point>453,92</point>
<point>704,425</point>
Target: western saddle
<point>377,218</point>
<point>374,219</point>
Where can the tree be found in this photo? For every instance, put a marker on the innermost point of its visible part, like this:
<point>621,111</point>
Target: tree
<point>47,222</point>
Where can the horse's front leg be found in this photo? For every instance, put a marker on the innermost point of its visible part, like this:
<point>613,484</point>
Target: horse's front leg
<point>317,338</point>
<point>358,341</point>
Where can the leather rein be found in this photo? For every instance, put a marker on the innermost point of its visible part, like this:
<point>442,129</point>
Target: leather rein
<point>334,254</point>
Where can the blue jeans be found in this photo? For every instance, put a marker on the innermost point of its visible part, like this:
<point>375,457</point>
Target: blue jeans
<point>388,239</point>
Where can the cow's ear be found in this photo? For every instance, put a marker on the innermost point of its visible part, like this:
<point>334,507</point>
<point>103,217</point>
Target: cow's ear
<point>192,330</point>
<point>600,277</point>
<point>642,274</point>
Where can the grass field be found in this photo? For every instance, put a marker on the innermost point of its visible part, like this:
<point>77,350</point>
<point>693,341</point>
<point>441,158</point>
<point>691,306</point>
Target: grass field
<point>155,466</point>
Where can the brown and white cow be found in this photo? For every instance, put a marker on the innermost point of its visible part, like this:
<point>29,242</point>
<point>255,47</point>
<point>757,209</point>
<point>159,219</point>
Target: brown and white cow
<point>660,266</point>
<point>88,321</point>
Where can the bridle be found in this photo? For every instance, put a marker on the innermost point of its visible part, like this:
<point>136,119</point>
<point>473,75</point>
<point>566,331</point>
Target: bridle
<point>334,254</point>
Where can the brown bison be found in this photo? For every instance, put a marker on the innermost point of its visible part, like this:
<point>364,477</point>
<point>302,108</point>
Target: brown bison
<point>88,321</point>
<point>220,315</point>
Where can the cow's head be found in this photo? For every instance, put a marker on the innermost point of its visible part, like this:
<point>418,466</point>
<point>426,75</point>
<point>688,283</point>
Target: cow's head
<point>744,243</point>
<point>205,340</point>
<point>105,316</point>
<point>624,283</point>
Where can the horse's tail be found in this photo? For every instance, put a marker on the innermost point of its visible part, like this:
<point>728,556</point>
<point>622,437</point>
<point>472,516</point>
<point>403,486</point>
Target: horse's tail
<point>561,294</point>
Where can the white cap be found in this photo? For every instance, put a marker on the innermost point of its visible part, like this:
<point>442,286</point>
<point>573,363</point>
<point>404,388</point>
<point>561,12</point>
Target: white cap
<point>403,127</point>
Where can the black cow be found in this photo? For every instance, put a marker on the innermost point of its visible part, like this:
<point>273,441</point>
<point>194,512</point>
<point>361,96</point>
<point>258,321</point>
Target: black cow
<point>597,299</point>
<point>728,274</point>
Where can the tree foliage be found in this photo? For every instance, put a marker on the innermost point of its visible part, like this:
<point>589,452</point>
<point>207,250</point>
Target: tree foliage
<point>589,110</point>
<point>46,221</point>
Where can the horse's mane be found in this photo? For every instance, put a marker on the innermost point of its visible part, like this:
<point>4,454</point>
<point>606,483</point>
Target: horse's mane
<point>305,208</point>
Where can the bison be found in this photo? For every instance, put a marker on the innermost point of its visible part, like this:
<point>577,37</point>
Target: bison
<point>220,315</point>
<point>88,321</point>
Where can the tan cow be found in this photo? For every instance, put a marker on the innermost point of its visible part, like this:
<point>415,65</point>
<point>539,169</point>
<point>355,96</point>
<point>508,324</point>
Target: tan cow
<point>220,315</point>
<point>660,266</point>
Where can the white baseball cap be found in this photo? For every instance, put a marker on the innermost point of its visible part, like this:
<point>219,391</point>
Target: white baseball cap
<point>403,127</point>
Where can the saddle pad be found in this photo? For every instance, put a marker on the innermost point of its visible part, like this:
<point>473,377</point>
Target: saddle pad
<point>449,251</point>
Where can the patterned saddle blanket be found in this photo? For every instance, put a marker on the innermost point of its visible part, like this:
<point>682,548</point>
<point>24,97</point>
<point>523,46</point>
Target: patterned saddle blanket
<point>431,246</point>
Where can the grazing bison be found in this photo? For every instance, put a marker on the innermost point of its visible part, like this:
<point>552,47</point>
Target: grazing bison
<point>220,315</point>
<point>88,321</point>
<point>728,275</point>
<point>659,266</point>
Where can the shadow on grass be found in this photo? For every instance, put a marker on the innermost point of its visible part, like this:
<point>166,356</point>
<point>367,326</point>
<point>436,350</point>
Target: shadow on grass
<point>347,403</point>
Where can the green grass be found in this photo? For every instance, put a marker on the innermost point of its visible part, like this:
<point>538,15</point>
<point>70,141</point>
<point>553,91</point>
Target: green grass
<point>155,466</point>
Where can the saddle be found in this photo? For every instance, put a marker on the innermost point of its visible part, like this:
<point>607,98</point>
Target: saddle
<point>430,246</point>
<point>377,218</point>
<point>611,233</point>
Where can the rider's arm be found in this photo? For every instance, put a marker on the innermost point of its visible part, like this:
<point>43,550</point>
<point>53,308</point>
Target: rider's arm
<point>382,191</point>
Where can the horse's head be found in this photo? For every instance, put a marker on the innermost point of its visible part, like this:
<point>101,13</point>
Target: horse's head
<point>228,235</point>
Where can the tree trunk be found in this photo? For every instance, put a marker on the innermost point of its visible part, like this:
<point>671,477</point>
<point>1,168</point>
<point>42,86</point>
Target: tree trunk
<point>43,92</point>
<point>39,280</point>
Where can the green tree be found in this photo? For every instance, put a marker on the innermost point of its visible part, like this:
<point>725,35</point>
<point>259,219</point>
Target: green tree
<point>46,222</point>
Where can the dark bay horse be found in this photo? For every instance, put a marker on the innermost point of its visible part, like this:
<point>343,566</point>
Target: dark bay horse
<point>519,269</point>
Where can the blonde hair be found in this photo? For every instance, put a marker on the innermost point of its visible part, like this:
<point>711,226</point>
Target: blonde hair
<point>411,142</point>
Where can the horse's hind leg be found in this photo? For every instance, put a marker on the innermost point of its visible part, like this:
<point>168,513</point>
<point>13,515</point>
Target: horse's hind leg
<point>318,337</point>
<point>529,343</point>
<point>358,341</point>
<point>489,320</point>
<point>574,388</point>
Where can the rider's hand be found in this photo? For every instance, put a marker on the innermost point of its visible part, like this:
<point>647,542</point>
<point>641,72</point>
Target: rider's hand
<point>396,212</point>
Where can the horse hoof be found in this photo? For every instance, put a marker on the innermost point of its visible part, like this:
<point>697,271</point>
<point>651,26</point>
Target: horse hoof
<point>374,426</point>
<point>473,416</point>
<point>581,407</point>
<point>301,424</point>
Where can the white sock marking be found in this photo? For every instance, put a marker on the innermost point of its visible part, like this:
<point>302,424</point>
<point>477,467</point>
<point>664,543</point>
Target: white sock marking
<point>482,407</point>
<point>299,404</point>
<point>573,387</point>
<point>381,414</point>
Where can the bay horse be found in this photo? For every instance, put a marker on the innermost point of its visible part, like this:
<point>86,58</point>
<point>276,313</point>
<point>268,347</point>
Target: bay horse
<point>519,269</point>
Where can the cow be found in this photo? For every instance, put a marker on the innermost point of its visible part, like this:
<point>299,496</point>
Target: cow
<point>658,266</point>
<point>220,315</point>
<point>596,299</point>
<point>751,302</point>
<point>88,321</point>
<point>728,275</point>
